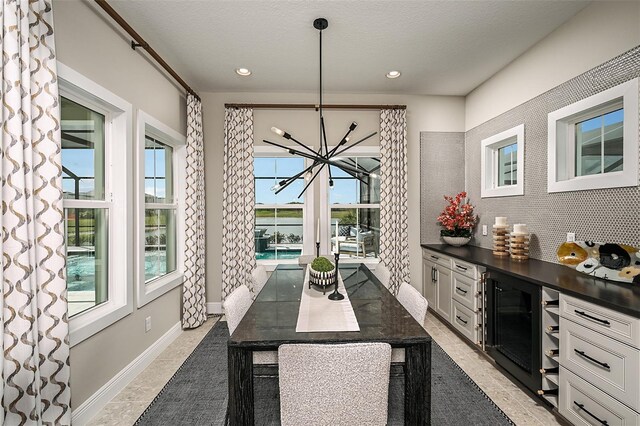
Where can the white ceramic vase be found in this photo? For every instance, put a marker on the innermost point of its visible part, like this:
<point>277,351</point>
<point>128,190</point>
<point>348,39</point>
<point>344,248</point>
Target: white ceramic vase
<point>456,241</point>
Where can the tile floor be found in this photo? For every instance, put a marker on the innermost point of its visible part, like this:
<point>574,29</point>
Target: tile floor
<point>127,406</point>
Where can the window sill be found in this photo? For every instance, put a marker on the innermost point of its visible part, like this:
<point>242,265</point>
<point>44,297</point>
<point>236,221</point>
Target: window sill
<point>270,265</point>
<point>150,291</point>
<point>96,319</point>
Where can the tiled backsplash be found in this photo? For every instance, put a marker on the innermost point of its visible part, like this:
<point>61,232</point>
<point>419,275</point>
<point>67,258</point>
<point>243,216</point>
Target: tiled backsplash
<point>609,215</point>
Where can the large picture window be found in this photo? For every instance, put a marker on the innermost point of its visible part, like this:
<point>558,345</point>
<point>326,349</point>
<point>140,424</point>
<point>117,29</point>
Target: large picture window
<point>161,174</point>
<point>97,171</point>
<point>279,218</point>
<point>354,204</point>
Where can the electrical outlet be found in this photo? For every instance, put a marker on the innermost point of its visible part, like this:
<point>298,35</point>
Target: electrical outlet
<point>147,324</point>
<point>571,237</point>
<point>484,229</point>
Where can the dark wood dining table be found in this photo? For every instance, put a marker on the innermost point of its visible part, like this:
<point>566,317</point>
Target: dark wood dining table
<point>271,321</point>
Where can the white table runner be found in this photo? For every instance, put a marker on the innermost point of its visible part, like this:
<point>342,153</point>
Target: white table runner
<point>318,313</point>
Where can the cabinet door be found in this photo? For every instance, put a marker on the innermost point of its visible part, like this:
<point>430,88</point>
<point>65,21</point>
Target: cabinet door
<point>443,293</point>
<point>429,286</point>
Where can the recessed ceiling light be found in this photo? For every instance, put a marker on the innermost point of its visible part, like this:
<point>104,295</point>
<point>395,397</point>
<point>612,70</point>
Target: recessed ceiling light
<point>393,74</point>
<point>243,72</point>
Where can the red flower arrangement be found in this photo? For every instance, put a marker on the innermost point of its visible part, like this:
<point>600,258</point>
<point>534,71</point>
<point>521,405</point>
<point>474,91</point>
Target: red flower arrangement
<point>457,218</point>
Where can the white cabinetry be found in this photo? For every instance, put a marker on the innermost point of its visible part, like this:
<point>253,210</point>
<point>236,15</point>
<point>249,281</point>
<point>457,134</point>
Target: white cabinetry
<point>451,287</point>
<point>599,364</point>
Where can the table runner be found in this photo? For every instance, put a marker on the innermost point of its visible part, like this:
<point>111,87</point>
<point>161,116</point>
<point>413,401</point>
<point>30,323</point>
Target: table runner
<point>318,313</point>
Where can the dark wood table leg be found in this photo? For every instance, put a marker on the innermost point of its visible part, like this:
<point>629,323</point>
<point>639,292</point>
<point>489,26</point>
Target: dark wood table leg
<point>417,384</point>
<point>240,408</point>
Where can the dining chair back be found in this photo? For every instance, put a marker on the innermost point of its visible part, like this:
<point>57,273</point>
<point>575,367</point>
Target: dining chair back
<point>413,302</point>
<point>260,278</point>
<point>236,305</point>
<point>334,384</point>
<point>383,274</point>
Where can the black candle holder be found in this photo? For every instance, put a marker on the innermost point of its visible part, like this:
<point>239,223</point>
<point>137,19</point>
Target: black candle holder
<point>336,295</point>
<point>318,249</point>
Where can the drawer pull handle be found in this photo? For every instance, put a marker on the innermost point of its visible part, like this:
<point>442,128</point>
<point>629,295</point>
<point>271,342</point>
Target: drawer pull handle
<point>601,364</point>
<point>461,267</point>
<point>435,257</point>
<point>461,290</point>
<point>581,406</point>
<point>460,319</point>
<point>586,315</point>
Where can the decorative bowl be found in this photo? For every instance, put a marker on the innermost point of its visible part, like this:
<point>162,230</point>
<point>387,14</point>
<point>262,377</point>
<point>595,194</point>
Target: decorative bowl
<point>322,279</point>
<point>456,241</point>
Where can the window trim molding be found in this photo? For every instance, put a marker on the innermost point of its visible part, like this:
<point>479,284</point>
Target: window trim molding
<point>325,205</point>
<point>120,297</point>
<point>147,124</point>
<point>308,207</point>
<point>560,129</point>
<point>489,165</point>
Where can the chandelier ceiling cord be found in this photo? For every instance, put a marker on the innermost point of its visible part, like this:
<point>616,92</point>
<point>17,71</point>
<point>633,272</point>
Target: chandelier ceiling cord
<point>322,156</point>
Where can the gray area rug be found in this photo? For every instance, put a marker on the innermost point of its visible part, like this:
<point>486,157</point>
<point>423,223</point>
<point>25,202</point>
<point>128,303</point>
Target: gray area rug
<point>197,393</point>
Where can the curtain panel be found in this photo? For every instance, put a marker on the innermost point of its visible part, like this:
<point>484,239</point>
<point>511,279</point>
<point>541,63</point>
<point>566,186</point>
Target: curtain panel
<point>238,201</point>
<point>394,245</point>
<point>34,318</point>
<point>194,303</point>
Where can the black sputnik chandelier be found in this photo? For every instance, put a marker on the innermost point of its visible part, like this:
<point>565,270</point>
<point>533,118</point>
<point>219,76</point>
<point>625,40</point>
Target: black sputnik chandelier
<point>322,156</point>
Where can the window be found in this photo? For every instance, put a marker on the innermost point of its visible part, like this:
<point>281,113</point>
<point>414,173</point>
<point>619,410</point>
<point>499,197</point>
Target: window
<point>354,206</point>
<point>95,128</point>
<point>502,163</point>
<point>279,217</point>
<point>161,165</point>
<point>593,143</point>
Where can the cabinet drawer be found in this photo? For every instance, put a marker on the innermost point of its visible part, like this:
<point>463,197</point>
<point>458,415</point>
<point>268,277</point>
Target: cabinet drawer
<point>613,324</point>
<point>464,320</point>
<point>468,269</point>
<point>437,258</point>
<point>464,290</point>
<point>584,404</point>
<point>606,363</point>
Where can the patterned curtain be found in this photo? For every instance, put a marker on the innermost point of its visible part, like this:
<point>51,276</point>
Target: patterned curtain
<point>194,303</point>
<point>394,245</point>
<point>238,252</point>
<point>33,318</point>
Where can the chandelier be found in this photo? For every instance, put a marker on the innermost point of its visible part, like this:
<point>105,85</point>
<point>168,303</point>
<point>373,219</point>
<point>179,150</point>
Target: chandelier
<point>322,156</point>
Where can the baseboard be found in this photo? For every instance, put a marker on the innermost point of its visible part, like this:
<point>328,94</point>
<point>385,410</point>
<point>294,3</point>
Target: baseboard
<point>214,308</point>
<point>106,393</point>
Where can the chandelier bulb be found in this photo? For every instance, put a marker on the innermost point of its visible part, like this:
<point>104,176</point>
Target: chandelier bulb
<point>331,183</point>
<point>277,131</point>
<point>308,175</point>
<point>353,126</point>
<point>275,187</point>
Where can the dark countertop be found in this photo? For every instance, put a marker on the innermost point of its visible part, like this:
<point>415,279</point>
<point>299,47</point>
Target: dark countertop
<point>621,297</point>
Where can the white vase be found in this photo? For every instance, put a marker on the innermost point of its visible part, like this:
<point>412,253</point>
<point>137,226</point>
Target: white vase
<point>456,241</point>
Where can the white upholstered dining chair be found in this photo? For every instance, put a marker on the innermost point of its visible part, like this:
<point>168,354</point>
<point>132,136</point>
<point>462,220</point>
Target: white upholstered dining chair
<point>235,306</point>
<point>260,278</point>
<point>383,274</point>
<point>334,384</point>
<point>416,305</point>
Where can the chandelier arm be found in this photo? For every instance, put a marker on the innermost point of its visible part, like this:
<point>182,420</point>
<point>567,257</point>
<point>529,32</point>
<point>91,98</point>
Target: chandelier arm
<point>355,176</point>
<point>354,144</point>
<point>293,178</point>
<point>301,144</point>
<point>323,160</point>
<point>350,160</point>
<point>311,180</point>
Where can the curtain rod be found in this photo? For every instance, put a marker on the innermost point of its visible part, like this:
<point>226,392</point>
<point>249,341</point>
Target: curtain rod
<point>313,106</point>
<point>138,41</point>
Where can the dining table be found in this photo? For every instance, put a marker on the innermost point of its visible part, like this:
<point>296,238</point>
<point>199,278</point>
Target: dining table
<point>271,321</point>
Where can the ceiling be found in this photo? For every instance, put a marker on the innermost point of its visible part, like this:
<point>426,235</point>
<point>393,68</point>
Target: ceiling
<point>441,47</point>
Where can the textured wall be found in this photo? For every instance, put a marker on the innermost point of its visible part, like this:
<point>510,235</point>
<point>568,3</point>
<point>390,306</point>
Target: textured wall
<point>441,173</point>
<point>611,215</point>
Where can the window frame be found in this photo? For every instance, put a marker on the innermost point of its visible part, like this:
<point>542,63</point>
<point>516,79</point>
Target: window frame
<point>561,140</point>
<point>148,291</point>
<point>118,184</point>
<point>308,241</point>
<point>489,155</point>
<point>326,206</point>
